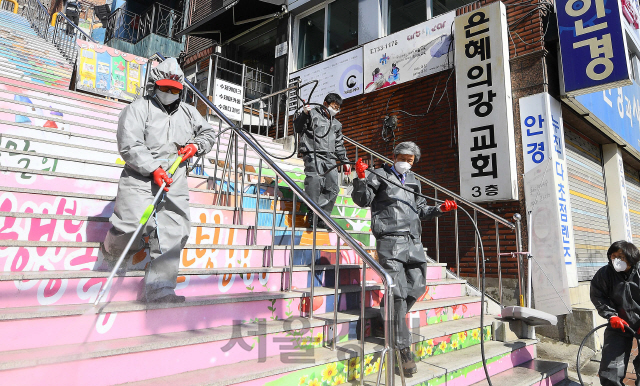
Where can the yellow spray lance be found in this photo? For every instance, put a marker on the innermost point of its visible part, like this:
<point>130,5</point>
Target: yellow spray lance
<point>143,220</point>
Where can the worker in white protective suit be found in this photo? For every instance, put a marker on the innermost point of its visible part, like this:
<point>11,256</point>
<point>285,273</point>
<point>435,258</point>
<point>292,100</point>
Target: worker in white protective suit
<point>152,132</point>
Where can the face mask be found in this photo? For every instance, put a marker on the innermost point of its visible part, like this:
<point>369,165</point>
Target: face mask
<point>166,98</point>
<point>619,265</point>
<point>402,167</point>
<point>333,111</point>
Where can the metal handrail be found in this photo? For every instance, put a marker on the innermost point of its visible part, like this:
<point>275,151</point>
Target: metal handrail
<point>88,38</point>
<point>387,280</point>
<point>446,191</point>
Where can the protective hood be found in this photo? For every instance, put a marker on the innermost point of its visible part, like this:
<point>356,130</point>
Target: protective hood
<point>169,69</point>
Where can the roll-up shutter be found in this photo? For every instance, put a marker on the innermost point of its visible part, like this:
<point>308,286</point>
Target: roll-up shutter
<point>588,204</point>
<point>632,178</point>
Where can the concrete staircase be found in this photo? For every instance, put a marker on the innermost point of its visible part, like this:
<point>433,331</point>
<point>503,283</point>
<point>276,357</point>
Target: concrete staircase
<point>240,325</point>
<point>25,55</point>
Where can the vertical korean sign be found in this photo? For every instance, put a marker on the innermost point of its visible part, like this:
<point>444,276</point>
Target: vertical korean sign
<point>593,45</point>
<point>543,140</point>
<point>485,112</point>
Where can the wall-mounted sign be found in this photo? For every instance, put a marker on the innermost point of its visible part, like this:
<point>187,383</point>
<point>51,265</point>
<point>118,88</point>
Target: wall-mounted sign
<point>485,109</point>
<point>228,98</point>
<point>543,141</point>
<point>106,71</point>
<point>281,49</point>
<point>616,189</point>
<point>593,45</point>
<point>341,75</point>
<point>409,54</point>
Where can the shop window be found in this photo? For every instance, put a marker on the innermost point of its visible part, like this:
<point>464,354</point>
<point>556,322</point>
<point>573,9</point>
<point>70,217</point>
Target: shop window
<point>342,26</point>
<point>406,13</point>
<point>444,6</point>
<point>311,38</point>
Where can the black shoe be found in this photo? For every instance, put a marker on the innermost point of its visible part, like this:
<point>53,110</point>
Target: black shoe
<point>408,364</point>
<point>171,298</point>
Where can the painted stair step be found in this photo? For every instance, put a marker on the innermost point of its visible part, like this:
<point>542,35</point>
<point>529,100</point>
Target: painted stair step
<point>54,105</point>
<point>26,76</point>
<point>219,321</point>
<point>55,150</point>
<point>535,372</point>
<point>25,105</point>
<point>32,63</point>
<point>73,95</point>
<point>16,359</point>
<point>81,125</point>
<point>31,51</point>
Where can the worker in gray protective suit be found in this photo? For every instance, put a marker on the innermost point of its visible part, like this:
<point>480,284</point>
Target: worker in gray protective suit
<point>395,219</point>
<point>152,132</point>
<point>321,144</point>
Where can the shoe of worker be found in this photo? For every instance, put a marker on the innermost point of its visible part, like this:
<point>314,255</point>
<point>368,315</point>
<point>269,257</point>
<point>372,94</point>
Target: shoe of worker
<point>408,364</point>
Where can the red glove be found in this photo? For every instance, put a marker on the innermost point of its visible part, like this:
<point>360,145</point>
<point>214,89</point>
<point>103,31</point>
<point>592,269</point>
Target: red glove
<point>448,205</point>
<point>360,168</point>
<point>160,176</point>
<point>346,168</point>
<point>188,151</point>
<point>617,322</point>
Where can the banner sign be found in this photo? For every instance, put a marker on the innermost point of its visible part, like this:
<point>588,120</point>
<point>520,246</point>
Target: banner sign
<point>543,140</point>
<point>106,71</point>
<point>593,45</point>
<point>341,75</point>
<point>485,109</point>
<point>548,271</point>
<point>616,188</point>
<point>409,54</point>
<point>228,98</point>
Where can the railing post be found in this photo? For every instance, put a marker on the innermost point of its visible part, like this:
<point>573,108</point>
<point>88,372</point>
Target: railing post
<point>293,240</point>
<point>336,296</point>
<point>255,237</point>
<point>475,220</point>
<point>273,224</point>
<point>498,256</point>
<point>437,229</point>
<point>313,265</point>
<point>518,230</point>
<point>363,298</point>
<point>455,229</point>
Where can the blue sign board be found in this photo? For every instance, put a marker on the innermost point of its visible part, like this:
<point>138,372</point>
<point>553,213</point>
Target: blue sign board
<point>618,108</point>
<point>592,44</point>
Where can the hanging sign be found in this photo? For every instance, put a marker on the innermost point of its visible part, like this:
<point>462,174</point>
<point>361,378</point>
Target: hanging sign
<point>228,98</point>
<point>106,71</point>
<point>409,54</point>
<point>593,45</point>
<point>485,112</point>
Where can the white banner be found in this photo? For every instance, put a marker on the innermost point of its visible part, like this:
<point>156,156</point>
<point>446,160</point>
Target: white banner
<point>409,54</point>
<point>228,98</point>
<point>548,270</point>
<point>543,140</point>
<point>341,75</point>
<point>485,109</point>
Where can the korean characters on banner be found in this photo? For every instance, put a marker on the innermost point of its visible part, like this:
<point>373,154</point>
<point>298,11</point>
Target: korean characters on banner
<point>485,112</point>
<point>543,140</point>
<point>228,98</point>
<point>616,189</point>
<point>593,45</point>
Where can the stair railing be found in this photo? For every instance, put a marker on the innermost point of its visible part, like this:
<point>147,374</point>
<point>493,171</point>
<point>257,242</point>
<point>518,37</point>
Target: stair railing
<point>63,34</point>
<point>442,193</point>
<point>389,353</point>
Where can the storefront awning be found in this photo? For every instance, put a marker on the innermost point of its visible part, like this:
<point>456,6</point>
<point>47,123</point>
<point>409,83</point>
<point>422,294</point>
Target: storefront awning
<point>231,19</point>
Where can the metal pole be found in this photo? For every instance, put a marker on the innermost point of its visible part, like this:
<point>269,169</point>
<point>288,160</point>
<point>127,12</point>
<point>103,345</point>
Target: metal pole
<point>475,220</point>
<point>215,167</point>
<point>277,119</point>
<point>336,296</point>
<point>244,175</point>
<point>293,241</point>
<point>518,220</point>
<point>455,228</point>
<point>437,230</point>
<point>235,180</point>
<point>273,224</point>
<point>255,232</point>
<point>499,266</point>
<point>362,320</point>
<point>529,284</point>
<point>313,265</point>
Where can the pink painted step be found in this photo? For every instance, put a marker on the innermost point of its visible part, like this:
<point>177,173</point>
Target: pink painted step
<point>38,89</point>
<point>15,140</point>
<point>60,116</point>
<point>99,139</point>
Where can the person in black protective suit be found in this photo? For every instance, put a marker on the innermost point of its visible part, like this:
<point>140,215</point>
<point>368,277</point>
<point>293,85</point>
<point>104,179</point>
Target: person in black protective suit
<point>321,144</point>
<point>615,291</point>
<point>395,218</point>
<point>152,132</point>
<point>72,11</point>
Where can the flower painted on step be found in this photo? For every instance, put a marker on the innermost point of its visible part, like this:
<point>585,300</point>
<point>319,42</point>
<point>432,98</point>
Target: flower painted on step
<point>462,336</point>
<point>488,334</point>
<point>329,372</point>
<point>305,341</point>
<point>454,345</point>
<point>421,352</point>
<point>443,346</point>
<point>376,365</point>
<point>368,370</point>
<point>475,334</point>
<point>354,374</point>
<point>429,351</point>
<point>430,342</point>
<point>339,380</point>
<point>317,341</point>
<point>368,359</point>
<point>353,363</point>
<point>315,382</point>
<point>303,380</point>
<point>456,317</point>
